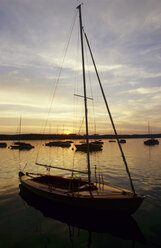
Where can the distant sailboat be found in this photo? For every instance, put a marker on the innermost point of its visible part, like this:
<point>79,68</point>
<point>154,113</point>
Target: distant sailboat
<point>19,145</point>
<point>78,193</point>
<point>152,141</point>
<point>92,146</point>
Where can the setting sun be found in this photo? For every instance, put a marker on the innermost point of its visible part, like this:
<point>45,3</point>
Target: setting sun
<point>67,132</point>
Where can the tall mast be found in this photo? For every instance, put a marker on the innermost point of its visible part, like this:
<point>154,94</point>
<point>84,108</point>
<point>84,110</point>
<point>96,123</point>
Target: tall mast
<point>85,95</point>
<point>20,128</point>
<point>149,129</point>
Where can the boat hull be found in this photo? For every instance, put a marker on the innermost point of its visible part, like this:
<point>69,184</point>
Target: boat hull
<point>59,143</point>
<point>21,147</point>
<point>151,142</point>
<point>94,201</point>
<point>3,145</point>
<point>99,222</point>
<point>92,147</point>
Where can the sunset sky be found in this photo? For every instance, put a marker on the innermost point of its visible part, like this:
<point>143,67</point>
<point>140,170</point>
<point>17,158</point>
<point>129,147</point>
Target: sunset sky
<point>125,37</point>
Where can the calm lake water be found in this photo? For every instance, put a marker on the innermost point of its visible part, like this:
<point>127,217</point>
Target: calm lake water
<point>25,225</point>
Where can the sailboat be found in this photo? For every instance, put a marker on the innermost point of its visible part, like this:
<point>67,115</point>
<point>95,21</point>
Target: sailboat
<point>92,146</point>
<point>152,141</point>
<point>19,145</point>
<point>79,193</point>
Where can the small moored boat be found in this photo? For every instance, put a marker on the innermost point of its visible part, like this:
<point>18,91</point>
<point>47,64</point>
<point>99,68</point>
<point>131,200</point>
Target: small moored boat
<point>91,146</point>
<point>59,143</point>
<point>21,146</point>
<point>3,144</point>
<point>151,142</point>
<point>122,141</point>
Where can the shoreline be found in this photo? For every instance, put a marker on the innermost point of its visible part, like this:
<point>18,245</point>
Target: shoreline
<point>73,136</point>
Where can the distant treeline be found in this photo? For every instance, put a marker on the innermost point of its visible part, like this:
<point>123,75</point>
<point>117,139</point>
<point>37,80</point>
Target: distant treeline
<point>72,136</point>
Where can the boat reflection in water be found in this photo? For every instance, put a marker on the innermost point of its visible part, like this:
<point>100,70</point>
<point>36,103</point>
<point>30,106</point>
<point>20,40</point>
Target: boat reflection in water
<point>120,226</point>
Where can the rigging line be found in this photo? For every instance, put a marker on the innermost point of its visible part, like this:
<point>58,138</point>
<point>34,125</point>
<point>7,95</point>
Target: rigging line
<point>58,77</point>
<point>81,125</point>
<point>19,130</point>
<point>149,131</point>
<point>75,119</point>
<point>73,165</point>
<point>49,150</point>
<point>109,112</point>
<point>62,63</point>
<point>94,119</point>
<point>29,155</point>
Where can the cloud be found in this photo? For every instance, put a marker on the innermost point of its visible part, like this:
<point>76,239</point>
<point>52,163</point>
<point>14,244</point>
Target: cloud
<point>146,91</point>
<point>125,40</point>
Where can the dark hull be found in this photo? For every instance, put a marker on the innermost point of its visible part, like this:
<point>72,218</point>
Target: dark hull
<point>122,141</point>
<point>83,200</point>
<point>3,145</point>
<point>100,222</point>
<point>151,142</point>
<point>59,143</point>
<point>92,147</point>
<point>21,147</point>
